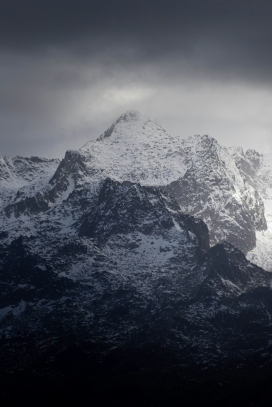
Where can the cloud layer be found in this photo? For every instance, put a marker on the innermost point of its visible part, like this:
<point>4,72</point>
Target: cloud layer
<point>69,68</point>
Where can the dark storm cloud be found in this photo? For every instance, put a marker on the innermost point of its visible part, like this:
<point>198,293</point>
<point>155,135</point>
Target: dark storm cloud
<point>231,36</point>
<point>69,68</point>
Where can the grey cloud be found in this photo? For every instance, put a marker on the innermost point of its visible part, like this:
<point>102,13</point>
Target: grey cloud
<point>228,35</point>
<point>68,68</point>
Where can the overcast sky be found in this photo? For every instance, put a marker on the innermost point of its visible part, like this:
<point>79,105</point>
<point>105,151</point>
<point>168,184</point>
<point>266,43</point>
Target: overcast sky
<point>69,68</point>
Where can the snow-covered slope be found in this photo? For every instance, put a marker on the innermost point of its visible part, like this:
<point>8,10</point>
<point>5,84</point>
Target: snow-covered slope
<point>20,171</point>
<point>22,177</point>
<point>137,149</point>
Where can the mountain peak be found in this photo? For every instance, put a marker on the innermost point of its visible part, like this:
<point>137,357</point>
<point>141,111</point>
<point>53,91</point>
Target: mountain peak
<point>129,119</point>
<point>130,115</point>
<point>133,149</point>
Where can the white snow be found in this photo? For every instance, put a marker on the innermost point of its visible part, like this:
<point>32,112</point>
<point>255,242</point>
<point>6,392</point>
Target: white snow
<point>138,150</point>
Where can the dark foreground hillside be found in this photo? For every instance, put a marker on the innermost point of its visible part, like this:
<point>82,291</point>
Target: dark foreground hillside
<point>141,348</point>
<point>88,374</point>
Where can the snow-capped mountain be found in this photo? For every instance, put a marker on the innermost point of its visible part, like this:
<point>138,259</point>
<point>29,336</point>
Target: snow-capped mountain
<point>205,178</point>
<point>137,237</point>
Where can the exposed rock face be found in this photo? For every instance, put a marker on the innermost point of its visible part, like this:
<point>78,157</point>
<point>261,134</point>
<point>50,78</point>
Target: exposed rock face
<point>230,274</point>
<point>214,190</point>
<point>256,170</point>
<point>126,209</point>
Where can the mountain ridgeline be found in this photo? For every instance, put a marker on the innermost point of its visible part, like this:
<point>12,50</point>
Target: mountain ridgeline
<point>137,242</point>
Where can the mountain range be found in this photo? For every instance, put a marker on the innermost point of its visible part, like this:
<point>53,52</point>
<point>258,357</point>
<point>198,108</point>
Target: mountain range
<point>139,240</point>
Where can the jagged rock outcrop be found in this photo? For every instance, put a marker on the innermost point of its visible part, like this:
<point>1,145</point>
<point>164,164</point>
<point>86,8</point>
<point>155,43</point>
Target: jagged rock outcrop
<point>230,274</point>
